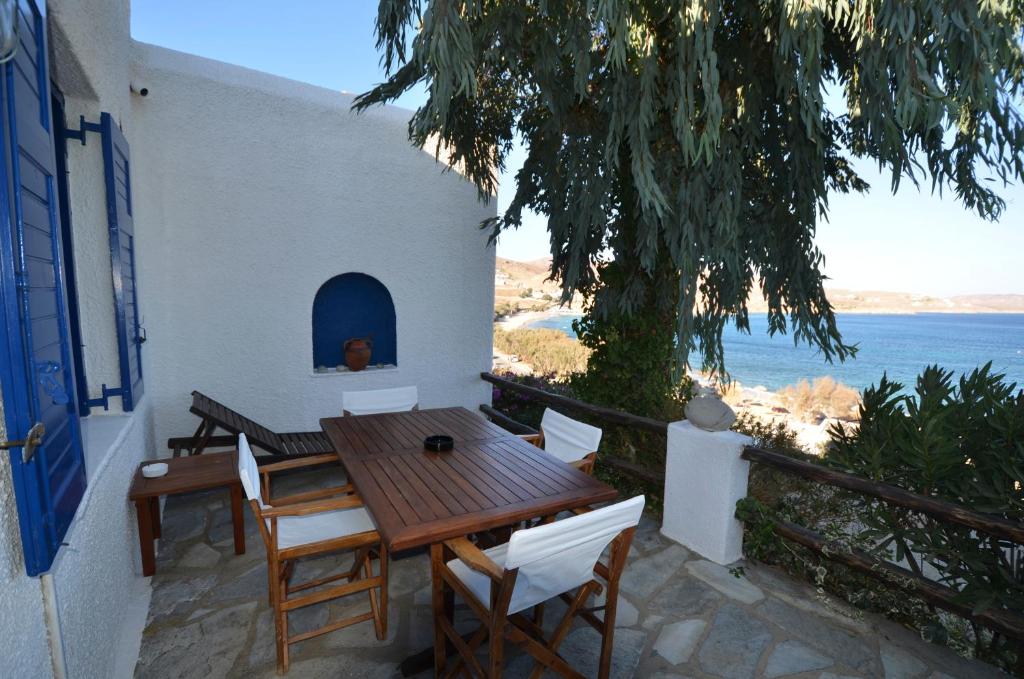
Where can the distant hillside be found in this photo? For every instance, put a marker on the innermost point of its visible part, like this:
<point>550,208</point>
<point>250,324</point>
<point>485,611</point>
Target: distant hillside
<point>524,285</point>
<point>884,302</point>
<point>513,279</point>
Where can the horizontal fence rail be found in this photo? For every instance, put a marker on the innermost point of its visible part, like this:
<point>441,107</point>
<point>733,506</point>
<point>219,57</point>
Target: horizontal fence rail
<point>605,414</point>
<point>944,597</point>
<point>998,619</point>
<point>640,472</point>
<point>996,526</point>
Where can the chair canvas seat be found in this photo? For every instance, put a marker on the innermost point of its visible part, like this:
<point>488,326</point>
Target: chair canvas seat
<point>293,531</point>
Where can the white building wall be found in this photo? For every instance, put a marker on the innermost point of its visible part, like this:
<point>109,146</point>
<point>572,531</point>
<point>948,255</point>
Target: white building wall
<point>24,649</point>
<point>252,191</point>
<point>98,576</point>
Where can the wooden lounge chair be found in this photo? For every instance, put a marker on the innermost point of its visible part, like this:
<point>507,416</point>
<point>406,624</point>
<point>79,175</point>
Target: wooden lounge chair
<point>214,415</point>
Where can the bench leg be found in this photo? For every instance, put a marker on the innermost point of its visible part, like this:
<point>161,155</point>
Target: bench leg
<point>144,515</point>
<point>238,517</point>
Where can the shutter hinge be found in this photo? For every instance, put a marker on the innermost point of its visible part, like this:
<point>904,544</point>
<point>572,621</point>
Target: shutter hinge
<point>79,134</point>
<point>105,399</point>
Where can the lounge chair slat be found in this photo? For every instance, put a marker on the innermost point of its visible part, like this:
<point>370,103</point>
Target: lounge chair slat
<point>292,444</point>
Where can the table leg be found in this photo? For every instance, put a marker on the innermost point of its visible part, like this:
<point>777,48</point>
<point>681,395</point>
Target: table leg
<point>238,517</point>
<point>443,599</point>
<point>142,510</point>
<point>154,511</point>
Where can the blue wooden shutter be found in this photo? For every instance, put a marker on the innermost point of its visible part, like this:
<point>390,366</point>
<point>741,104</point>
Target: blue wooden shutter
<point>36,368</point>
<point>117,175</point>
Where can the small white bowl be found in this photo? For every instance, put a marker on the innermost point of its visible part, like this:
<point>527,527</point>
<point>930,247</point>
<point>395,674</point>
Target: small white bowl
<point>152,471</point>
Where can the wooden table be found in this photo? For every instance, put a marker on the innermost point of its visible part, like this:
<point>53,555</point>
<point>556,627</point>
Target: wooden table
<point>490,480</point>
<point>184,475</point>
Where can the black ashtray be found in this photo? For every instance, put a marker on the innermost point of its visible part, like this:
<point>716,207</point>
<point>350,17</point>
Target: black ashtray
<point>439,443</point>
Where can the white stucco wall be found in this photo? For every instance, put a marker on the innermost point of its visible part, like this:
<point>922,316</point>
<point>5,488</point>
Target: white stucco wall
<point>24,649</point>
<point>252,191</point>
<point>97,577</point>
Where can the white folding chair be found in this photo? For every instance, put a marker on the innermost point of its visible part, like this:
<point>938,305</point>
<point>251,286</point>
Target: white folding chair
<point>313,523</point>
<point>567,439</point>
<point>534,566</point>
<point>371,402</point>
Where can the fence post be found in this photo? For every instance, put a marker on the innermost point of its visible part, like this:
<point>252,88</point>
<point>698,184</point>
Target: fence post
<point>704,478</point>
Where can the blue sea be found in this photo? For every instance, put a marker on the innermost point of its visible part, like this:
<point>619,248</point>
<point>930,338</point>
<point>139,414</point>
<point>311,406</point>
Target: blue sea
<point>897,344</point>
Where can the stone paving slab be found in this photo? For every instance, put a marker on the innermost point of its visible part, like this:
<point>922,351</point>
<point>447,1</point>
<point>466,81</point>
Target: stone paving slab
<point>680,616</point>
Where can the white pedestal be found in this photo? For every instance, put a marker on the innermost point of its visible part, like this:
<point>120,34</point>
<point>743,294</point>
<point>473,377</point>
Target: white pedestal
<point>704,478</point>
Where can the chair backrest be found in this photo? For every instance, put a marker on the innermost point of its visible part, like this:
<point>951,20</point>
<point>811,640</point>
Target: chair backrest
<point>397,400</point>
<point>234,422</point>
<point>567,439</point>
<point>560,556</point>
<point>248,472</point>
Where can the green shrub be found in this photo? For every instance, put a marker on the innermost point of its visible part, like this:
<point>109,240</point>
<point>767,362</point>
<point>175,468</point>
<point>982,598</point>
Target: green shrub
<point>505,309</point>
<point>958,441</point>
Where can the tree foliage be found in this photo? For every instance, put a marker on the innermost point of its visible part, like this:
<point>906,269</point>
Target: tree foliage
<point>709,135</point>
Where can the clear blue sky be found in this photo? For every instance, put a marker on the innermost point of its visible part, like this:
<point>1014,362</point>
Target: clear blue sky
<point>912,242</point>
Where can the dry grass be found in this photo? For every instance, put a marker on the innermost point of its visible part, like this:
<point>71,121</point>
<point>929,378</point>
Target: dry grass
<point>823,398</point>
<point>547,351</point>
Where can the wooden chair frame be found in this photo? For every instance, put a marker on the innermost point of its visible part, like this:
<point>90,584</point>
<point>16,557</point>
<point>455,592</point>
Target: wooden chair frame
<point>584,464</point>
<point>497,625</point>
<point>281,561</point>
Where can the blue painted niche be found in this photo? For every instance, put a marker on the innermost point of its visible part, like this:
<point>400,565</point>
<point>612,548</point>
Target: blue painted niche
<point>353,305</point>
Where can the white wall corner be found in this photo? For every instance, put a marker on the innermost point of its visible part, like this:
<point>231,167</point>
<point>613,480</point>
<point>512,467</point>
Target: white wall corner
<point>704,478</point>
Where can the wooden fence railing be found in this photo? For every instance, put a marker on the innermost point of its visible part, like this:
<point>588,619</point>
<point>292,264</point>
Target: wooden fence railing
<point>998,619</point>
<point>607,415</point>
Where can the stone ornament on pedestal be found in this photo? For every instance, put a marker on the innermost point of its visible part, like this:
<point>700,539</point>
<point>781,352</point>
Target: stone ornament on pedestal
<point>709,412</point>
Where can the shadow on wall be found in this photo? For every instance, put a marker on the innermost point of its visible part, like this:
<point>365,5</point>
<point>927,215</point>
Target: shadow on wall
<point>353,306</point>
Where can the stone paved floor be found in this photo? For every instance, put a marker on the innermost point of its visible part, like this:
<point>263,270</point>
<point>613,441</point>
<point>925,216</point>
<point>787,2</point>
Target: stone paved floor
<point>680,616</point>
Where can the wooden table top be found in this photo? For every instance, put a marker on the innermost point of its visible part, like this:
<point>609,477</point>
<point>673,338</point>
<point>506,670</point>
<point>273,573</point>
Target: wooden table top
<point>491,479</point>
<point>390,432</point>
<point>186,474</point>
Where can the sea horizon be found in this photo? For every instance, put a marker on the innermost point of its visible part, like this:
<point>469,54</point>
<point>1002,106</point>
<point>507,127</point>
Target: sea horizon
<point>899,345</point>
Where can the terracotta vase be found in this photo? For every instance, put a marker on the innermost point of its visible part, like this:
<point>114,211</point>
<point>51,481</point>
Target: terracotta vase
<point>357,353</point>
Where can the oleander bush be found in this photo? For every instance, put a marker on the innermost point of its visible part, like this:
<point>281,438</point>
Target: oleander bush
<point>959,439</point>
